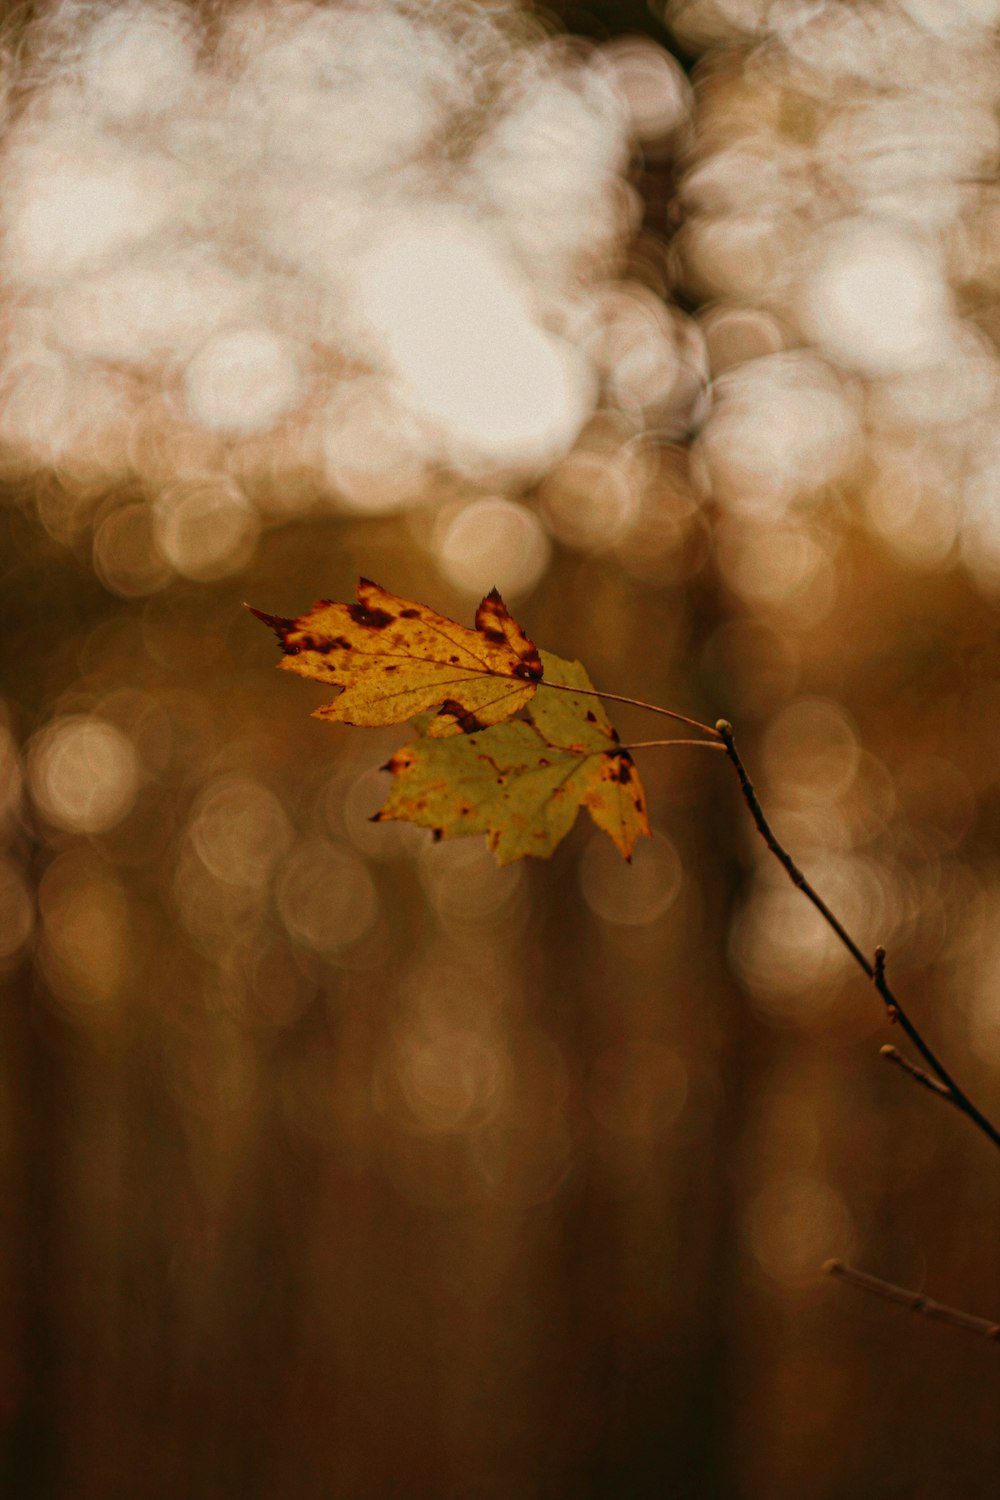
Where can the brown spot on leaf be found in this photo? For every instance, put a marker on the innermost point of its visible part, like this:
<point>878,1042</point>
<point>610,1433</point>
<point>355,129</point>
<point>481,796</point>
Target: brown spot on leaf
<point>371,619</point>
<point>591,716</point>
<point>409,614</point>
<point>529,671</point>
<point>623,771</point>
<point>465,719</point>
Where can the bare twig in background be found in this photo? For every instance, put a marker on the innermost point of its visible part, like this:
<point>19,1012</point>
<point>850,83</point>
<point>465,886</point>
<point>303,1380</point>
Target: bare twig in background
<point>915,1301</point>
<point>893,1055</point>
<point>875,971</point>
<point>939,1081</point>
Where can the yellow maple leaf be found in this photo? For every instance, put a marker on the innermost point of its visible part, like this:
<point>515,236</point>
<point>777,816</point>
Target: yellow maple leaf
<point>395,658</point>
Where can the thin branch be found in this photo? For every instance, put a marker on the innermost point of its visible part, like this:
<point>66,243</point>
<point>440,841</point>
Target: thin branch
<point>653,708</point>
<point>893,1055</point>
<point>898,1016</point>
<point>875,972</point>
<point>655,744</point>
<point>915,1301</point>
<point>781,854</point>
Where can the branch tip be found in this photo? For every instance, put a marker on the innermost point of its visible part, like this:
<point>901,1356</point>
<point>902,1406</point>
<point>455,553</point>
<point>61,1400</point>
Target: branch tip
<point>893,1055</point>
<point>916,1301</point>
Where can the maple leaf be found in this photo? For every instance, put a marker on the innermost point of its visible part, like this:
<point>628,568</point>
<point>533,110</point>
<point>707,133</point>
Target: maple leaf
<point>395,658</point>
<point>522,783</point>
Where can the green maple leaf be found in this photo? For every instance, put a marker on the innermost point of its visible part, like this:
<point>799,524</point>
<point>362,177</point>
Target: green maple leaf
<point>522,783</point>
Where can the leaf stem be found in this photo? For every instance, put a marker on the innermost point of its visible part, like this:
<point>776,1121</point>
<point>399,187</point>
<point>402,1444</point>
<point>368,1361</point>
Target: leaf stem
<point>875,971</point>
<point>915,1301</point>
<point>653,708</point>
<point>654,744</point>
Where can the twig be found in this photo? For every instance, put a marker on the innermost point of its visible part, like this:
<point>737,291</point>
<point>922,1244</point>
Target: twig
<point>915,1301</point>
<point>876,971</point>
<point>656,744</point>
<point>654,708</point>
<point>893,1055</point>
<point>897,1015</point>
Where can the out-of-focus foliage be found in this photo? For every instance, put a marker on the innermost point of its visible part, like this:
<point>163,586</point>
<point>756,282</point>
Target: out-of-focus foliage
<point>839,207</point>
<point>340,1163</point>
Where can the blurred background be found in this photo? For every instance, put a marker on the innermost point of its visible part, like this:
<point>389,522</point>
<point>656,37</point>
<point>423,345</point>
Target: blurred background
<point>343,1165</point>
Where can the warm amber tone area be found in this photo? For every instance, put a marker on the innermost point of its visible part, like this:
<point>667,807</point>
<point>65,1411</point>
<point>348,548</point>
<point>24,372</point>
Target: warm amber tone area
<point>340,1164</point>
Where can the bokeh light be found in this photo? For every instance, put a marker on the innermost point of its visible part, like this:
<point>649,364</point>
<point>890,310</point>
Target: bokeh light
<point>781,426</point>
<point>220,250</point>
<point>876,300</point>
<point>436,296</point>
<point>243,379</point>
<point>795,1222</point>
<point>465,885</point>
<point>206,530</point>
<point>656,90</point>
<point>633,895</point>
<point>326,896</point>
<point>85,949</point>
<point>449,1080</point>
<point>490,543</point>
<point>84,774</point>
